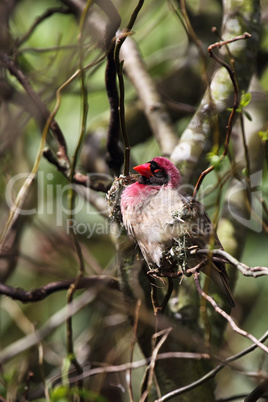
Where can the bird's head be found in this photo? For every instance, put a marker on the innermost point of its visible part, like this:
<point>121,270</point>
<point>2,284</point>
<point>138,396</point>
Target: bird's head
<point>158,172</point>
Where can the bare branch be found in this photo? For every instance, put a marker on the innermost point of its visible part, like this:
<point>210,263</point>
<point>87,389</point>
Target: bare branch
<point>135,327</point>
<point>235,106</point>
<point>227,316</point>
<point>258,392</point>
<point>213,372</point>
<point>199,134</point>
<point>95,182</point>
<point>115,155</point>
<point>48,13</point>
<point>140,363</point>
<point>245,269</point>
<point>119,69</point>
<point>53,323</point>
<point>164,334</point>
<point>34,295</point>
<point>14,70</point>
<point>218,45</point>
<point>146,88</point>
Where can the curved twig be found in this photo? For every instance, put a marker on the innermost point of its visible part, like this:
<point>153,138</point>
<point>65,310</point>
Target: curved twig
<point>45,114</point>
<point>119,69</point>
<point>227,316</point>
<point>235,106</point>
<point>95,182</point>
<point>48,13</point>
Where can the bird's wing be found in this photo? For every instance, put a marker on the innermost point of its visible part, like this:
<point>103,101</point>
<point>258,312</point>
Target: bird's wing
<point>192,228</point>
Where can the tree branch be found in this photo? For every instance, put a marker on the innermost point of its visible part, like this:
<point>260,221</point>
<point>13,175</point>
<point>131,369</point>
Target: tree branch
<point>198,136</point>
<point>50,326</point>
<point>44,112</point>
<point>154,109</point>
<point>213,372</point>
<point>235,105</point>
<point>48,13</point>
<point>34,295</point>
<point>227,316</point>
<point>243,268</point>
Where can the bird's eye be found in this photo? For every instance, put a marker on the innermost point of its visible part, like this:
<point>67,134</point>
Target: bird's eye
<point>159,173</point>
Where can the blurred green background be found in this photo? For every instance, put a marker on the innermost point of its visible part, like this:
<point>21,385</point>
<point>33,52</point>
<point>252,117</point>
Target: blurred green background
<point>43,251</point>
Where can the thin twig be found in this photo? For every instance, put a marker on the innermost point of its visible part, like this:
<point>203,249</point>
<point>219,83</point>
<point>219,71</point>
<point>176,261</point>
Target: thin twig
<point>69,335</point>
<point>245,269</point>
<point>23,80</point>
<point>48,13</point>
<point>137,364</point>
<point>95,182</point>
<point>227,316</point>
<point>115,157</point>
<point>47,49</point>
<point>41,369</point>
<point>14,210</point>
<point>214,29</point>
<point>235,105</point>
<point>164,334</point>
<point>213,372</point>
<point>153,106</point>
<point>135,327</point>
<point>119,68</point>
<point>27,385</point>
<point>192,34</point>
<point>51,325</point>
<point>248,170</point>
<point>219,44</point>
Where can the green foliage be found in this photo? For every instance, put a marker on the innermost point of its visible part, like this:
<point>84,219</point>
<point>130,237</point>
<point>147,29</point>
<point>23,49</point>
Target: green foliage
<point>215,158</point>
<point>245,100</point>
<point>263,135</point>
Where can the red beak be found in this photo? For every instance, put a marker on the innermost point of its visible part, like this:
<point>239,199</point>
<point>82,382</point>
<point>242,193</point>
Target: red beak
<point>144,170</point>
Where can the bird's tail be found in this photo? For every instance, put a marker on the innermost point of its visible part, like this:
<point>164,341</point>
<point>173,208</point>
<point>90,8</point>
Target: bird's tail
<point>217,272</point>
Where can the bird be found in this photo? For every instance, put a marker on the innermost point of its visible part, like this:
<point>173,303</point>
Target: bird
<point>169,225</point>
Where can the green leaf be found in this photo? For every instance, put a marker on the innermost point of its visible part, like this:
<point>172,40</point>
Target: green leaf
<point>248,116</point>
<point>245,99</point>
<point>245,172</point>
<point>263,135</point>
<point>215,157</point>
<point>214,152</point>
<point>214,160</point>
<point>60,394</point>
